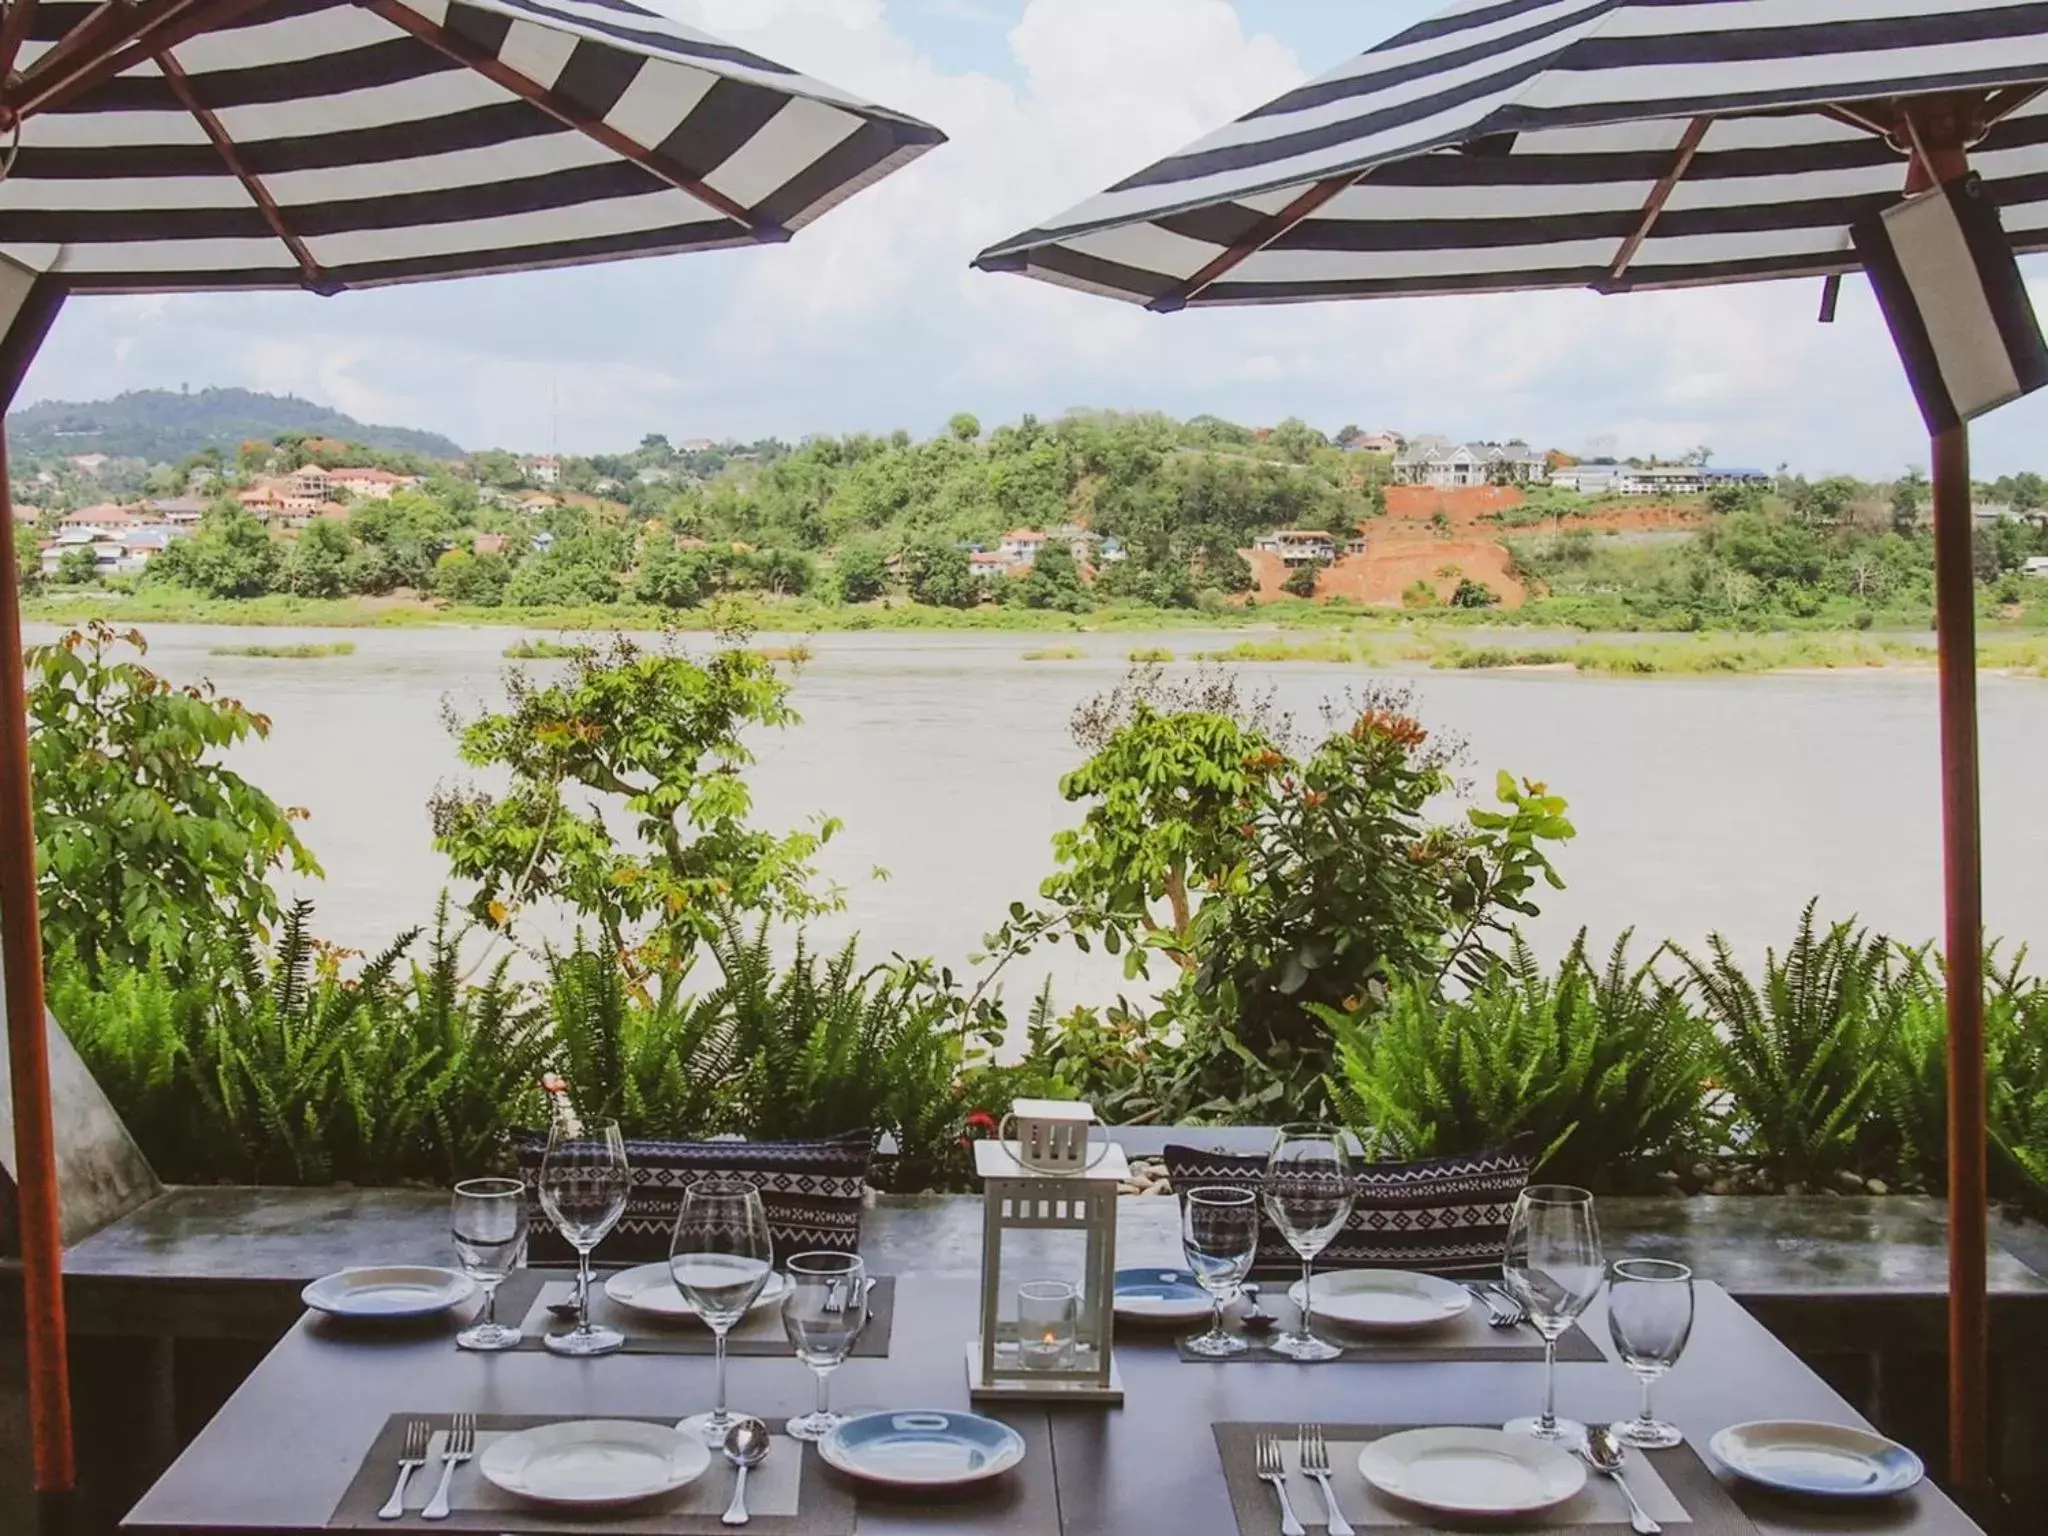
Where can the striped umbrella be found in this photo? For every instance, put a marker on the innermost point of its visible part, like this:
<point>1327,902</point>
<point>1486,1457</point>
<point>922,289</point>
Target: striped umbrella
<point>165,145</point>
<point>1622,144</point>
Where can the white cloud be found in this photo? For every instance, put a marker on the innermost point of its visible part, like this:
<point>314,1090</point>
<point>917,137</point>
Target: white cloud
<point>871,319</point>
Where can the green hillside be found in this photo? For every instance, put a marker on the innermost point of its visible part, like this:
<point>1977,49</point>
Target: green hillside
<point>163,425</point>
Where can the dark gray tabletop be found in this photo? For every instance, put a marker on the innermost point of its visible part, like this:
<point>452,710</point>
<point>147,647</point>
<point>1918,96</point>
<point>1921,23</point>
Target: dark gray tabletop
<point>280,1454</point>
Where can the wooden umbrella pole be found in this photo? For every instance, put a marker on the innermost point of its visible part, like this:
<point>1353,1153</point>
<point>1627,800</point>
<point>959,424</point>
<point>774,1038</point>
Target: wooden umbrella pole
<point>1938,136</point>
<point>35,1140</point>
<point>1955,586</point>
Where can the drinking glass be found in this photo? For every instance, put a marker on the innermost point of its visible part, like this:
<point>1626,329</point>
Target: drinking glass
<point>1649,1314</point>
<point>721,1256</point>
<point>488,1223</point>
<point>1554,1268</point>
<point>583,1184</point>
<point>1309,1191</point>
<point>823,1313</point>
<point>1219,1233</point>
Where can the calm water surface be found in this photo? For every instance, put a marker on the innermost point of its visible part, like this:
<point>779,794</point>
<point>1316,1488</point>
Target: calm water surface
<point>1701,804</point>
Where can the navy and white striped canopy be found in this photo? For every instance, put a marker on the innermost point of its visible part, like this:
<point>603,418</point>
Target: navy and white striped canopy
<point>330,144</point>
<point>1514,144</point>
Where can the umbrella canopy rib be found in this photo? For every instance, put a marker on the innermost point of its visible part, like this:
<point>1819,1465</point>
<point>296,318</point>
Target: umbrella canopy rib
<point>1681,159</point>
<point>492,68</point>
<point>181,86</point>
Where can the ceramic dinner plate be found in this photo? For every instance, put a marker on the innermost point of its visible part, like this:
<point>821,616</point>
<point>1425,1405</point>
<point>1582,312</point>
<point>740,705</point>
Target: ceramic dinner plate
<point>1385,1300</point>
<point>1820,1460</point>
<point>922,1450</point>
<point>389,1292</point>
<point>1161,1296</point>
<point>651,1289</point>
<point>1464,1471</point>
<point>593,1463</point>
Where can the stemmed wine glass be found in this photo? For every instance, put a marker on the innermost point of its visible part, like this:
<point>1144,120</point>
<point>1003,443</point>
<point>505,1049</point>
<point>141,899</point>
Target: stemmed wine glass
<point>583,1185</point>
<point>1554,1268</point>
<point>1649,1315</point>
<point>823,1313</point>
<point>1219,1233</point>
<point>721,1255</point>
<point>1309,1191</point>
<point>488,1224</point>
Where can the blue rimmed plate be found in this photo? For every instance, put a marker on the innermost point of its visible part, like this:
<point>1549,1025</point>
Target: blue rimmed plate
<point>919,1449</point>
<point>1824,1461</point>
<point>1161,1296</point>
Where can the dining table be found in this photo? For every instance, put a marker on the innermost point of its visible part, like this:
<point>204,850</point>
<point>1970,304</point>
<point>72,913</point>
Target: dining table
<point>292,1440</point>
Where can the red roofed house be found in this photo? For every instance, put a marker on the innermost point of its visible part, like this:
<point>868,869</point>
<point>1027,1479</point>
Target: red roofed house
<point>1021,545</point>
<point>370,484</point>
<point>265,500</point>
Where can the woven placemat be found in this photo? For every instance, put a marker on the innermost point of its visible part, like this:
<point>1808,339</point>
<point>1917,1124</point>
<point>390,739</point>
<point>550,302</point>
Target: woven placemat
<point>1468,1336</point>
<point>525,1298</point>
<point>1675,1486</point>
<point>789,1494</point>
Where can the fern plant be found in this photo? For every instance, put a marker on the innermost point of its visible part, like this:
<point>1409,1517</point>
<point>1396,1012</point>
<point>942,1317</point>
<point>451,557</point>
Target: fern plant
<point>1597,1068</point>
<point>1801,1057</point>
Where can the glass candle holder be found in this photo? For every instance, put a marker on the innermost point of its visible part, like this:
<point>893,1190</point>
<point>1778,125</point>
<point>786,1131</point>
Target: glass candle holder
<point>1047,1311</point>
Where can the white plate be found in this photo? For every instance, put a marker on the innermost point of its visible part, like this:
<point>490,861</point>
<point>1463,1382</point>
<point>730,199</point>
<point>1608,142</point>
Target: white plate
<point>391,1291</point>
<point>1472,1471</point>
<point>651,1289</point>
<point>1385,1300</point>
<point>922,1449</point>
<point>594,1462</point>
<point>1830,1461</point>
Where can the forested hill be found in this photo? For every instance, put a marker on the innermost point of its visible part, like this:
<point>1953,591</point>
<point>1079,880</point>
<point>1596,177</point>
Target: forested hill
<point>165,426</point>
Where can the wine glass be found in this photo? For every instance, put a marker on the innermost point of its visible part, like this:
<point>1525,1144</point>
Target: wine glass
<point>721,1256</point>
<point>1309,1190</point>
<point>583,1184</point>
<point>1649,1315</point>
<point>1219,1233</point>
<point>823,1313</point>
<point>488,1224</point>
<point>1554,1268</point>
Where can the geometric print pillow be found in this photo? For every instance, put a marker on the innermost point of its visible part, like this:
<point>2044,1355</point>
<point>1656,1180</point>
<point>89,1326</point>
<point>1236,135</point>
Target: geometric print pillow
<point>814,1192</point>
<point>1446,1215</point>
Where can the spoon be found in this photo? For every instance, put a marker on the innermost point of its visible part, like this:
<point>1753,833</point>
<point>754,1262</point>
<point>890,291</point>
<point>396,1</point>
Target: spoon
<point>1254,1318</point>
<point>571,1309</point>
<point>1605,1454</point>
<point>746,1445</point>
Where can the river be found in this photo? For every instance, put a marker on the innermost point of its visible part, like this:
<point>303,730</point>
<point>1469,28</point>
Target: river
<point>1701,804</point>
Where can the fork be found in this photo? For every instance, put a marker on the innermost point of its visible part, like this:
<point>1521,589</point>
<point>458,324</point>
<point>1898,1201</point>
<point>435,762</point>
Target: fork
<point>460,1447</point>
<point>1517,1314</point>
<point>1315,1461</point>
<point>411,1457</point>
<point>1495,1317</point>
<point>1272,1468</point>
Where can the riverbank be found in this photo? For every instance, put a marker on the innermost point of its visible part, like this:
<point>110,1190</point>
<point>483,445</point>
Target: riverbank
<point>1279,633</point>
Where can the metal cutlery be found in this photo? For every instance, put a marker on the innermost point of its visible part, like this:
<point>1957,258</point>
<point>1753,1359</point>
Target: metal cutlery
<point>460,1446</point>
<point>746,1445</point>
<point>1495,1317</point>
<point>1514,1312</point>
<point>1272,1468</point>
<point>1605,1454</point>
<point>1315,1462</point>
<point>411,1457</point>
<point>571,1309</point>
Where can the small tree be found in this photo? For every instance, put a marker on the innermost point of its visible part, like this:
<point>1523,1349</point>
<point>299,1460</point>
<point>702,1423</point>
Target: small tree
<point>1473,594</point>
<point>147,848</point>
<point>654,739</point>
<point>939,574</point>
<point>1055,581</point>
<point>78,567</point>
<point>863,574</point>
<point>1301,581</point>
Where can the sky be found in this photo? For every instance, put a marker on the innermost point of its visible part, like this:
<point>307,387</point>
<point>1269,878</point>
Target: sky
<point>871,319</point>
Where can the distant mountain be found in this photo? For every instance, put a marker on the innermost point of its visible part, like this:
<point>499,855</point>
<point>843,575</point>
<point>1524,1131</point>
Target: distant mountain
<point>168,425</point>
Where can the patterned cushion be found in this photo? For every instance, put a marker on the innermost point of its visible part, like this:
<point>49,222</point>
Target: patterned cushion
<point>1444,1214</point>
<point>814,1191</point>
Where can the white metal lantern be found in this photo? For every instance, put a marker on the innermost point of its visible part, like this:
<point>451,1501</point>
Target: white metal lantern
<point>1036,1343</point>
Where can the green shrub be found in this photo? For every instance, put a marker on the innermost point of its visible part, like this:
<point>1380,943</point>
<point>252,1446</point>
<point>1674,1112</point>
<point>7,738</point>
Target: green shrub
<point>1598,1068</point>
<point>1801,1056</point>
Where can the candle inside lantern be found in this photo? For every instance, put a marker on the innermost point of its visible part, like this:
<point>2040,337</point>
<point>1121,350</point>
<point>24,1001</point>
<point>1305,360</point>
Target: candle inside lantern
<point>1046,1314</point>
